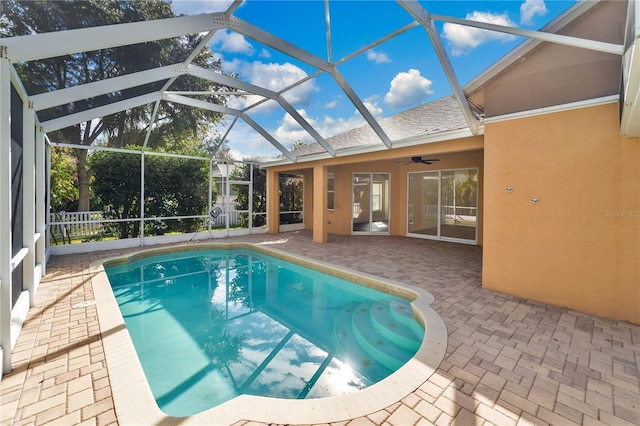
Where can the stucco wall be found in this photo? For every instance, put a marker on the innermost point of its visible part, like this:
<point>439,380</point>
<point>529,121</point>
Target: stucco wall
<point>579,247</point>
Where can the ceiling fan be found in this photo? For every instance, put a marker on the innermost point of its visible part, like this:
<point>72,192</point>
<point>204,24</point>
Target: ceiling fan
<point>419,159</point>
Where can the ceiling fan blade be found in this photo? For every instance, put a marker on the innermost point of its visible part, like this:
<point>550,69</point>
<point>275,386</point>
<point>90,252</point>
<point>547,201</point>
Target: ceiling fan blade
<point>419,159</point>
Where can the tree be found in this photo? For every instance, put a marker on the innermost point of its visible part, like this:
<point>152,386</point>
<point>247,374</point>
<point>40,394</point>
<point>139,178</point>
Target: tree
<point>173,187</point>
<point>117,186</point>
<point>176,187</point>
<point>221,150</point>
<point>64,190</point>
<point>291,198</point>
<point>176,124</point>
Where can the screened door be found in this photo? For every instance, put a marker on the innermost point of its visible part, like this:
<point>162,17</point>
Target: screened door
<point>370,203</point>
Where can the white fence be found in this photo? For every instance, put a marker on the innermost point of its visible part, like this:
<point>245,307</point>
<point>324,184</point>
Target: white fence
<point>67,226</point>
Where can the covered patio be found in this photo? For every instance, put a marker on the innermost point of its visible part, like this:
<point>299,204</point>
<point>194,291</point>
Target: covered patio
<point>508,360</point>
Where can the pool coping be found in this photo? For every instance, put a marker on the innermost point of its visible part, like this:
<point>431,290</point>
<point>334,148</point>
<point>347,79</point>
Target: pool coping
<point>134,403</point>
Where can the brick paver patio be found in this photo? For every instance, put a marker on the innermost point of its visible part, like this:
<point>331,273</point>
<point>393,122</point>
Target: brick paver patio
<point>509,361</point>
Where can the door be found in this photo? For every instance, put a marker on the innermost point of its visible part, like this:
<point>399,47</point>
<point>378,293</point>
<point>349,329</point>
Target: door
<point>370,208</point>
<point>424,190</point>
<point>459,201</point>
<point>443,205</point>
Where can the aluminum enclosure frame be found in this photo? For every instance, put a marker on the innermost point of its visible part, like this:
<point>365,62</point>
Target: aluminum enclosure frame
<point>31,258</point>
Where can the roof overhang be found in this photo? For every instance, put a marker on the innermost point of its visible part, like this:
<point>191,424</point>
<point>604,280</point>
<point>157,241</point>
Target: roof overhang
<point>368,149</point>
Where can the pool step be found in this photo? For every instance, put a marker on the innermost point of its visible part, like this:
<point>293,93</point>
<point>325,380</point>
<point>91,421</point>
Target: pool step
<point>381,349</point>
<point>396,328</point>
<point>346,343</point>
<point>373,337</point>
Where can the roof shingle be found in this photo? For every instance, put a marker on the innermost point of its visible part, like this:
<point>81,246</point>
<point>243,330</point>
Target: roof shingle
<point>441,115</point>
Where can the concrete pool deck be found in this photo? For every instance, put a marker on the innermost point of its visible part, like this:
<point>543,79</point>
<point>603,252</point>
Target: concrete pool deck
<point>508,360</point>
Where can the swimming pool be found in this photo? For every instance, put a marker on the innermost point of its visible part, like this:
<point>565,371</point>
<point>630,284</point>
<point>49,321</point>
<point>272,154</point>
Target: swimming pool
<point>134,402</point>
<point>210,325</point>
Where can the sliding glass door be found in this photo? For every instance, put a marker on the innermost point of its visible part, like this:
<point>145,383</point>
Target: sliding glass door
<point>370,203</point>
<point>443,205</point>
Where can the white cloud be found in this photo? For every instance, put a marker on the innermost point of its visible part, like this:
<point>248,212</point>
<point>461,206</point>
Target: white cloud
<point>373,107</point>
<point>330,126</point>
<point>264,53</point>
<point>463,39</point>
<point>531,8</point>
<point>408,89</point>
<point>237,102</point>
<point>377,57</point>
<point>332,104</point>
<point>245,142</point>
<point>271,76</point>
<point>232,66</point>
<point>196,7</point>
<point>274,76</point>
<point>290,131</point>
<point>231,42</point>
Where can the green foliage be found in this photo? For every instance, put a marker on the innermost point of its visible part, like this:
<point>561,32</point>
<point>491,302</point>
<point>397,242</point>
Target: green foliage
<point>464,186</point>
<point>173,187</point>
<point>291,198</point>
<point>176,187</point>
<point>117,186</point>
<point>467,189</point>
<point>291,195</point>
<point>244,288</point>
<point>222,346</point>
<point>64,188</point>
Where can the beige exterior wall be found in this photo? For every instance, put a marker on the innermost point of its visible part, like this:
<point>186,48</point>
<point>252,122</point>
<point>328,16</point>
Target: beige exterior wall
<point>579,247</point>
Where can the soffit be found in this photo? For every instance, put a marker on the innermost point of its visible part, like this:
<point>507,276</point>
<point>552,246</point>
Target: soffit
<point>545,74</point>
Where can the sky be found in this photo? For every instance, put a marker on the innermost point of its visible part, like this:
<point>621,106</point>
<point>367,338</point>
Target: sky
<point>394,76</point>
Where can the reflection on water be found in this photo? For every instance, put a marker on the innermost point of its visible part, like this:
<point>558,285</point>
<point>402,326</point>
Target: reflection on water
<point>211,325</point>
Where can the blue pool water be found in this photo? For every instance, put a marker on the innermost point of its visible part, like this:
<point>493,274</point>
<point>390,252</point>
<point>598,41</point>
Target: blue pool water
<point>210,325</point>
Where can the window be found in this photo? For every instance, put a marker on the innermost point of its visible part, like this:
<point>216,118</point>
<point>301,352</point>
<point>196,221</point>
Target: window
<point>376,196</point>
<point>446,204</point>
<point>330,189</point>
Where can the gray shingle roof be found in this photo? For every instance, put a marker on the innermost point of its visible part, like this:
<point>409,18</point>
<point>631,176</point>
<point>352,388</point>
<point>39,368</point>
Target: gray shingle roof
<point>439,116</point>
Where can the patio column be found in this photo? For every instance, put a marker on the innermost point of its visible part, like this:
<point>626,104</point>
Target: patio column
<point>5,216</point>
<point>319,204</point>
<point>41,207</point>
<point>29,196</point>
<point>273,201</point>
